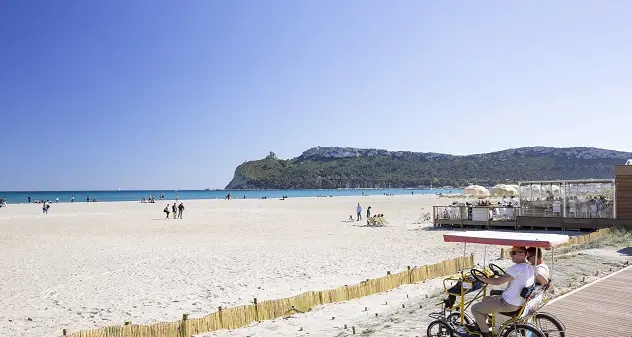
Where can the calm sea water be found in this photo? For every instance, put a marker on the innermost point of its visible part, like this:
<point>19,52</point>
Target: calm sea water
<point>80,196</point>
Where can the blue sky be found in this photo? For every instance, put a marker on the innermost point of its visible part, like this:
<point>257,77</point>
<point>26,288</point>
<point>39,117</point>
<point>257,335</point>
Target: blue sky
<point>163,94</point>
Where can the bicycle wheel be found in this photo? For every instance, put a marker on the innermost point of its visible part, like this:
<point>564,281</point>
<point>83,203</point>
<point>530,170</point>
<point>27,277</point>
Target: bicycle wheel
<point>455,318</point>
<point>439,328</point>
<point>550,325</point>
<point>522,330</point>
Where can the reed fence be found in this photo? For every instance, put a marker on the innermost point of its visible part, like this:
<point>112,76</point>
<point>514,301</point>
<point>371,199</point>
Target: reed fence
<point>573,240</point>
<point>240,316</point>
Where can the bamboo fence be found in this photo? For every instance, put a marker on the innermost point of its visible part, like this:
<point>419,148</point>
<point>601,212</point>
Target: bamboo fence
<point>573,240</point>
<point>240,316</point>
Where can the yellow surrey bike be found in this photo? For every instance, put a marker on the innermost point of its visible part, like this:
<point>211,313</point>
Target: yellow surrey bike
<point>465,288</point>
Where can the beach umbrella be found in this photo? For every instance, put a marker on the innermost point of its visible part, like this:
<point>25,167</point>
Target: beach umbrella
<point>476,190</point>
<point>502,189</point>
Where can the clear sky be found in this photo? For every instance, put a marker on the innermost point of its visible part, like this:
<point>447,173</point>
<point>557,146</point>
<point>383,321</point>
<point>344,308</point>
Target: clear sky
<point>175,94</point>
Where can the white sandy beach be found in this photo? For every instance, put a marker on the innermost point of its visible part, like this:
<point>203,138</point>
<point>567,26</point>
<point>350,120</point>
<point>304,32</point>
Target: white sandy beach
<point>92,265</point>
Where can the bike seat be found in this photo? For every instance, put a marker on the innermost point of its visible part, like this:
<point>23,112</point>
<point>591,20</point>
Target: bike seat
<point>511,314</point>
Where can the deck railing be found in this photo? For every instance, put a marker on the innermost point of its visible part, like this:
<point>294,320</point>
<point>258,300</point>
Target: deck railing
<point>475,213</point>
<point>532,209</point>
<point>574,209</point>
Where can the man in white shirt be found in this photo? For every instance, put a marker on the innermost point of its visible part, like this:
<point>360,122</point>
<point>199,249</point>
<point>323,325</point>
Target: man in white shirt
<point>519,276</point>
<point>534,256</point>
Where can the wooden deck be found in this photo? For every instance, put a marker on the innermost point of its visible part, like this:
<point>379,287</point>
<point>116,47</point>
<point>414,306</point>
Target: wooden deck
<point>564,223</point>
<point>531,222</point>
<point>460,216</point>
<point>601,308</point>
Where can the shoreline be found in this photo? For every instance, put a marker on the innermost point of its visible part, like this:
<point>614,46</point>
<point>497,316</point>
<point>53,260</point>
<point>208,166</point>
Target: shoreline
<point>78,201</point>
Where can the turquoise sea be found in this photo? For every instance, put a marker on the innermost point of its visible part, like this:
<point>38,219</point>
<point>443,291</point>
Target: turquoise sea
<point>80,196</point>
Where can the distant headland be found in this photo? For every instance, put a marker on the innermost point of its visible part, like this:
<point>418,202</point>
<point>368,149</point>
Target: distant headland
<point>346,167</point>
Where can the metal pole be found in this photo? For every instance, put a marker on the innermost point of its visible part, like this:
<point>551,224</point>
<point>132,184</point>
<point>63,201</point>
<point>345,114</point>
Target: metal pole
<point>519,199</point>
<point>614,200</point>
<point>552,260</point>
<point>564,199</point>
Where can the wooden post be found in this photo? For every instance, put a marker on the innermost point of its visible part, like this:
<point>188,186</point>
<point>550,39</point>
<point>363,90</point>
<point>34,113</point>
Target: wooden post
<point>410,276</point>
<point>221,319</point>
<point>487,217</point>
<point>353,329</point>
<point>64,332</point>
<point>184,329</point>
<point>256,310</point>
<point>516,222</point>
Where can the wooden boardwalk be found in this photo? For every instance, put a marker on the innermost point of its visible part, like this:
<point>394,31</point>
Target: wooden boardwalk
<point>601,308</point>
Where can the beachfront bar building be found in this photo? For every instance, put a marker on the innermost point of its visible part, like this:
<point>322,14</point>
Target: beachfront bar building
<point>557,204</point>
<point>568,198</point>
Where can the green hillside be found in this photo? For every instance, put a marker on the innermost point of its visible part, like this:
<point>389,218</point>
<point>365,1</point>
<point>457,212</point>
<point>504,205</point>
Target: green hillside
<point>349,167</point>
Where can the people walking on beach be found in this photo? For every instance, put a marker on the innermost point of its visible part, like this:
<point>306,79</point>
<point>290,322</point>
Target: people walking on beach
<point>174,209</point>
<point>368,212</point>
<point>166,210</point>
<point>87,198</point>
<point>180,210</point>
<point>359,212</point>
<point>29,198</point>
<point>57,200</point>
<point>72,199</point>
<point>45,207</point>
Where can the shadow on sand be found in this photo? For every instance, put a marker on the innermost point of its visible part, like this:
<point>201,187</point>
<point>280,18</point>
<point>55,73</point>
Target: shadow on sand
<point>625,251</point>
